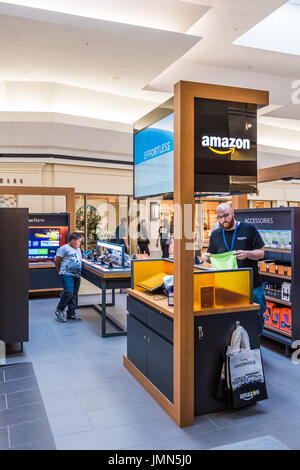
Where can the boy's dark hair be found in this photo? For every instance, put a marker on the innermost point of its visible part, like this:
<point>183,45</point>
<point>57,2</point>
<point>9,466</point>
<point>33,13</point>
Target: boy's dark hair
<point>75,236</point>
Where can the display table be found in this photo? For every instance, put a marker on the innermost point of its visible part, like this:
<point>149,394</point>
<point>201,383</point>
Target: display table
<point>105,278</point>
<point>150,345</point>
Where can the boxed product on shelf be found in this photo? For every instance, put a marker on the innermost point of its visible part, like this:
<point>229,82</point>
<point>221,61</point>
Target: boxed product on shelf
<point>286,291</point>
<point>280,269</point>
<point>262,266</point>
<point>275,239</point>
<point>276,317</point>
<point>272,268</point>
<point>268,313</point>
<point>285,319</point>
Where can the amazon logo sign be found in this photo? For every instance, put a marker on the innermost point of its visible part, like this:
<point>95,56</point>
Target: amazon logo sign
<point>227,144</point>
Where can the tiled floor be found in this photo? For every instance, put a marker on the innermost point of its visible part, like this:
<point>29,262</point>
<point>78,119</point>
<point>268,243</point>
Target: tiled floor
<point>23,419</point>
<point>92,402</point>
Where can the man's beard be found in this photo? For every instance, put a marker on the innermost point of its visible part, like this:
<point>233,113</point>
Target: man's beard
<point>229,225</point>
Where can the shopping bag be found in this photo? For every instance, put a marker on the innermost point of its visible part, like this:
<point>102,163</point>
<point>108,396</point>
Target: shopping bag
<point>223,261</point>
<point>246,378</point>
<point>242,379</point>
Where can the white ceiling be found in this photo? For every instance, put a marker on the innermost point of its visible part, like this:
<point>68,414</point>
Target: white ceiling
<point>109,62</point>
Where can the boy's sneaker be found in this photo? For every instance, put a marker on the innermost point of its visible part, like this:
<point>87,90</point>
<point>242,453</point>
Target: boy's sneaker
<point>73,316</point>
<point>60,315</point>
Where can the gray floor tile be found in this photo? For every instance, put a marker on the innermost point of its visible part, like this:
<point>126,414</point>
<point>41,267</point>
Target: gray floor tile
<point>23,398</point>
<point>259,443</point>
<point>22,414</point>
<point>3,402</point>
<point>1,376</point>
<point>70,424</point>
<point>160,428</point>
<point>91,401</point>
<point>18,371</point>
<point>29,432</point>
<point>47,444</point>
<point>19,385</point>
<point>118,416</point>
<point>4,443</point>
<point>57,392</point>
<point>127,398</point>
<point>81,376</point>
<point>117,437</point>
<point>63,406</point>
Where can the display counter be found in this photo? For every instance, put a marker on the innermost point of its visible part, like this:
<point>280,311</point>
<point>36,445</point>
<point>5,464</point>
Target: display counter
<point>43,277</point>
<point>221,299</point>
<point>106,278</point>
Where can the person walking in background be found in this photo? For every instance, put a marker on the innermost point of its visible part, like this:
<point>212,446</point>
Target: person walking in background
<point>121,234</point>
<point>143,240</point>
<point>164,238</point>
<point>68,264</point>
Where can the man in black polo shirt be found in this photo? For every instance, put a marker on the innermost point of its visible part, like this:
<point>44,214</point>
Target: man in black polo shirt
<point>245,240</point>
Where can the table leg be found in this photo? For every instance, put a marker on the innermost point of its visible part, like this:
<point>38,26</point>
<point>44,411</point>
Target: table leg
<point>103,308</point>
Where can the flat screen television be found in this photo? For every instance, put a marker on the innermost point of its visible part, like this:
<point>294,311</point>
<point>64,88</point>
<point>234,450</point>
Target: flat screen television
<point>154,158</point>
<point>43,242</point>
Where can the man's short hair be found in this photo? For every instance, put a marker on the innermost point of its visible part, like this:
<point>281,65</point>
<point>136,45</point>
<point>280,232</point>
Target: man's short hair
<point>75,236</point>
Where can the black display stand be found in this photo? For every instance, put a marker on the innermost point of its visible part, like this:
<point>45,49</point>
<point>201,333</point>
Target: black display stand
<point>282,218</point>
<point>43,275</point>
<point>14,278</point>
<point>150,349</point>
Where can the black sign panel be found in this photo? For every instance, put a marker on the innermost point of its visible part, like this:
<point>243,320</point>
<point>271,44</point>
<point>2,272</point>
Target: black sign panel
<point>225,146</point>
<point>48,220</point>
<point>266,219</point>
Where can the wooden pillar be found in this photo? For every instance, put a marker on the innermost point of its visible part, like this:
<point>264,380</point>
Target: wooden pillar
<point>240,202</point>
<point>183,259</point>
<point>70,207</point>
<point>184,96</point>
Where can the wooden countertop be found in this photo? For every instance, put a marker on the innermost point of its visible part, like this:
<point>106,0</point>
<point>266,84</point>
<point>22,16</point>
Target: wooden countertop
<point>159,302</point>
<point>105,272</point>
<point>41,265</point>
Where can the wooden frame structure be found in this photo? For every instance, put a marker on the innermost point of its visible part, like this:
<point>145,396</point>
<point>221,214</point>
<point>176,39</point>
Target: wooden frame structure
<point>280,172</point>
<point>69,194</point>
<point>182,410</point>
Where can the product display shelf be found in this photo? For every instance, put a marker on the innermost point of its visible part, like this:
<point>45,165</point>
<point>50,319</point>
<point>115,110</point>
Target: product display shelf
<point>280,220</point>
<point>279,276</point>
<point>279,301</point>
<point>277,250</point>
<point>284,333</point>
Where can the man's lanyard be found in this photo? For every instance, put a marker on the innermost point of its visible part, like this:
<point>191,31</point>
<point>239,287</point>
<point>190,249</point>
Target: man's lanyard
<point>233,238</point>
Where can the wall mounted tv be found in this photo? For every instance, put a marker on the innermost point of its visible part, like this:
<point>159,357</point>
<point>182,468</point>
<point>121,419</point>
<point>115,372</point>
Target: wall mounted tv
<point>43,242</point>
<point>154,158</point>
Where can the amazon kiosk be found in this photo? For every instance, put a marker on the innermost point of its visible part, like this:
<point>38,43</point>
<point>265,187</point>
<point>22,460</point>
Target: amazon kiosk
<point>201,142</point>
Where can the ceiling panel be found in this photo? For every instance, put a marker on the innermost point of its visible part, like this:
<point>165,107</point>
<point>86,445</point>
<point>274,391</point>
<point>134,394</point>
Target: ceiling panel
<point>170,15</point>
<point>84,52</point>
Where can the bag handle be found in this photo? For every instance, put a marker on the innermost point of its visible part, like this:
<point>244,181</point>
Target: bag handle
<point>239,340</point>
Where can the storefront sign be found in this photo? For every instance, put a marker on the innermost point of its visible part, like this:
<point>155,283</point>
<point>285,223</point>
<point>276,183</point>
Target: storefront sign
<point>263,219</point>
<point>230,143</point>
<point>225,146</point>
